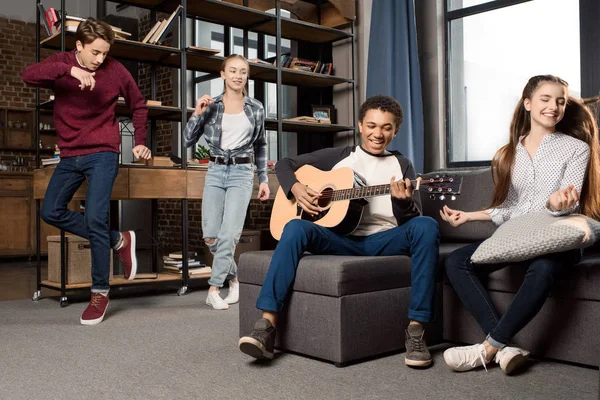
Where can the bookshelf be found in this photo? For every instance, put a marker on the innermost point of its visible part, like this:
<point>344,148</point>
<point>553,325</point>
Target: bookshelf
<point>184,59</point>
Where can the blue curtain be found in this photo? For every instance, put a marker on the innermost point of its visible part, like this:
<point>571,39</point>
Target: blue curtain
<point>393,70</point>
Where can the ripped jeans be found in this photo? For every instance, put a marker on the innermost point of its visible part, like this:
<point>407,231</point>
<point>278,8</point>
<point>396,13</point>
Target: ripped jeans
<point>227,192</point>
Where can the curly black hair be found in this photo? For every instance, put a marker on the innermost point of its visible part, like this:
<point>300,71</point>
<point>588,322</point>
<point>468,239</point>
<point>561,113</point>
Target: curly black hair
<point>383,103</point>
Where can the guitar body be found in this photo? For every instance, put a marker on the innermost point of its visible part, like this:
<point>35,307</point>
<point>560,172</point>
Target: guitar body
<point>341,216</point>
<point>341,204</point>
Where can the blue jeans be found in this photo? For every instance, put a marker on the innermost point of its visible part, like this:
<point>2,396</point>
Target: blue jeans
<point>541,274</point>
<point>100,170</point>
<point>418,238</point>
<point>227,192</point>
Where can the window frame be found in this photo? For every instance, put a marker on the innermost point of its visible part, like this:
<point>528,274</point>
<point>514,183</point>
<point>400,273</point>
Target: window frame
<point>450,16</point>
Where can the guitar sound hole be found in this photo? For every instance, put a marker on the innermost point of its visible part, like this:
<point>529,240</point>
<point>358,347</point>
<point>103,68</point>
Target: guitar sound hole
<point>323,202</point>
<point>325,199</point>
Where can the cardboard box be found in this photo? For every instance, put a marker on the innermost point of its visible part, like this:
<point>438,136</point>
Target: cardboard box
<point>79,260</point>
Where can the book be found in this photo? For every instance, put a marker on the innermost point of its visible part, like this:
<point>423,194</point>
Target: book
<point>180,265</point>
<point>151,31</point>
<point>191,271</point>
<point>164,29</point>
<point>43,20</point>
<point>178,256</point>
<point>157,32</point>
<point>51,20</point>
<point>154,103</point>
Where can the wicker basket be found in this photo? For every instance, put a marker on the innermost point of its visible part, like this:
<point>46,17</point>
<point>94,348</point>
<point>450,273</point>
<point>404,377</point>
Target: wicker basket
<point>79,260</point>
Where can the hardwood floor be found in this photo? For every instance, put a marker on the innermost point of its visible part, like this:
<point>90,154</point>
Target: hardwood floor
<point>17,278</point>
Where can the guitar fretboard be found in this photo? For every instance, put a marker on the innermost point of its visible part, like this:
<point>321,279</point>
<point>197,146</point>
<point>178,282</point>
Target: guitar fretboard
<point>361,192</point>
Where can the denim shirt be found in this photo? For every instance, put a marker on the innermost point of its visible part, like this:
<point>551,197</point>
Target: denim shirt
<point>209,124</point>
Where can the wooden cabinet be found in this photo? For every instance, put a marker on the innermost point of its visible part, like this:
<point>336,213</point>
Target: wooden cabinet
<point>17,216</point>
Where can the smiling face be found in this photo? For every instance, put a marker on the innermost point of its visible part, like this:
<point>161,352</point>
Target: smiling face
<point>235,74</point>
<point>547,106</point>
<point>92,55</point>
<point>377,129</point>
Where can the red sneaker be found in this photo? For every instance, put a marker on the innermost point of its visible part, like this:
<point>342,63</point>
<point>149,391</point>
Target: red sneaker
<point>94,313</point>
<point>127,254</point>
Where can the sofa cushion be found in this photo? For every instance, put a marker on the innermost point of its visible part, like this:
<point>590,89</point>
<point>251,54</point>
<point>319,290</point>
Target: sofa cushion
<point>580,281</point>
<point>536,234</point>
<point>333,275</point>
<point>475,195</point>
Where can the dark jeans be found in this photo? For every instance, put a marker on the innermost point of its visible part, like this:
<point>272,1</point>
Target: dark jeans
<point>100,170</point>
<point>418,238</point>
<point>541,274</point>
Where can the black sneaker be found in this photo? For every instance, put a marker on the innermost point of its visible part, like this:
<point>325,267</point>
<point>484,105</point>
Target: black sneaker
<point>417,354</point>
<point>260,343</point>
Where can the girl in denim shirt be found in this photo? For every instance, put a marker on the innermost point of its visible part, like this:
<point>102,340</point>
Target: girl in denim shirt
<point>233,126</point>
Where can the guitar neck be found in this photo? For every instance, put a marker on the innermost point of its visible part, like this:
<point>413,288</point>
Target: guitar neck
<point>363,192</point>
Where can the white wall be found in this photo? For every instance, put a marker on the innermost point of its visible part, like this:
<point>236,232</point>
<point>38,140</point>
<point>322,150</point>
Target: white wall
<point>25,10</point>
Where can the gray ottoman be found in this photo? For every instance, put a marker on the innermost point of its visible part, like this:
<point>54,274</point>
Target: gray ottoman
<point>341,308</point>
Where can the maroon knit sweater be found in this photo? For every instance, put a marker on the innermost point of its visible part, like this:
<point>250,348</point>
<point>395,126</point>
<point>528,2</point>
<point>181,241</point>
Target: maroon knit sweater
<point>85,120</point>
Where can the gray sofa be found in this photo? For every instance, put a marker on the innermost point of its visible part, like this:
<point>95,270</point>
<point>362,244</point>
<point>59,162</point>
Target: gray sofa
<point>344,309</point>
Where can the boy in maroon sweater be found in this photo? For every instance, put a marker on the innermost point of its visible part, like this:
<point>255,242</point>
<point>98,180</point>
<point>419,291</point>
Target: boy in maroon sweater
<point>87,85</point>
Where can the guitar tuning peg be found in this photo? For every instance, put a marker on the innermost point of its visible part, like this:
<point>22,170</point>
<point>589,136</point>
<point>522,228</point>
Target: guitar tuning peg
<point>453,197</point>
<point>442,197</point>
<point>432,197</point>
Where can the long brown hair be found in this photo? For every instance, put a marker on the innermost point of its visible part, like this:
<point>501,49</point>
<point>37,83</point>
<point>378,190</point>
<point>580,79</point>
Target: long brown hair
<point>224,64</point>
<point>577,122</point>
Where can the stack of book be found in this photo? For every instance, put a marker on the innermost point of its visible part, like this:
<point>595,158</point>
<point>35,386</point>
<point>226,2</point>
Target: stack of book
<point>46,162</point>
<point>158,32</point>
<point>174,263</point>
<point>298,64</point>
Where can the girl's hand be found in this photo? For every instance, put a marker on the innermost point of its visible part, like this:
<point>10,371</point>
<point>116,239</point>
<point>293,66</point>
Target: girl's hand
<point>263,191</point>
<point>202,104</point>
<point>563,199</point>
<point>453,217</point>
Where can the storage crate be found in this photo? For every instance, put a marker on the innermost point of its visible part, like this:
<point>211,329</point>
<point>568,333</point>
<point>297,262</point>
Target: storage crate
<point>79,259</point>
<point>249,241</point>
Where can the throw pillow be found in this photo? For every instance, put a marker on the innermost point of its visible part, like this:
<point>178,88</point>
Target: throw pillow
<point>536,234</point>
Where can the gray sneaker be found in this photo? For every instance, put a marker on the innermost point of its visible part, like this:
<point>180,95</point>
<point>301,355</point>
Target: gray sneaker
<point>417,354</point>
<point>261,342</point>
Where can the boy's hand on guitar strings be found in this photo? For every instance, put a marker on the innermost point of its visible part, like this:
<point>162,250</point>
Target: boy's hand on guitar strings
<point>306,197</point>
<point>402,189</point>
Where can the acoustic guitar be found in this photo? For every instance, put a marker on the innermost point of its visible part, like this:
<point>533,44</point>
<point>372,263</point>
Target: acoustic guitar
<point>340,203</point>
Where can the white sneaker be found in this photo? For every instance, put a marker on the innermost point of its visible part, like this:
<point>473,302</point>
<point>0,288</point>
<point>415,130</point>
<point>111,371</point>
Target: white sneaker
<point>213,299</point>
<point>466,358</point>
<point>233,296</point>
<point>511,358</point>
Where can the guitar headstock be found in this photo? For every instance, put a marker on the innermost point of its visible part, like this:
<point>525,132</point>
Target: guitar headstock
<point>441,186</point>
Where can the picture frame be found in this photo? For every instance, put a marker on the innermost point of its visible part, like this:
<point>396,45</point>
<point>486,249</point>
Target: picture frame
<point>324,112</point>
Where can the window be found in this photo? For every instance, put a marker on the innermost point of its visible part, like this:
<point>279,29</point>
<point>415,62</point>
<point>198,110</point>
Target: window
<point>493,49</point>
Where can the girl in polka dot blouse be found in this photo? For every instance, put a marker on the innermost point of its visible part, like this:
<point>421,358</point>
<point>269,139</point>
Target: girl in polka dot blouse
<point>550,163</point>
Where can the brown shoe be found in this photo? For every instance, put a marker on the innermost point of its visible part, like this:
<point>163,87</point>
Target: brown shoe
<point>417,354</point>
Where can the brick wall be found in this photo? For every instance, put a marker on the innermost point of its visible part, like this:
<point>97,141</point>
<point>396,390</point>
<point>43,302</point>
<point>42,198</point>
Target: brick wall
<point>17,50</point>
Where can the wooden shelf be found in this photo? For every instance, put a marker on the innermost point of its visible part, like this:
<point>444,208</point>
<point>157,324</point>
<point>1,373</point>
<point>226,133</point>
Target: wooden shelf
<point>237,16</point>
<point>298,126</point>
<point>124,49</point>
<point>261,72</point>
<point>121,281</point>
<point>165,113</point>
<point>26,149</point>
<point>304,31</point>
